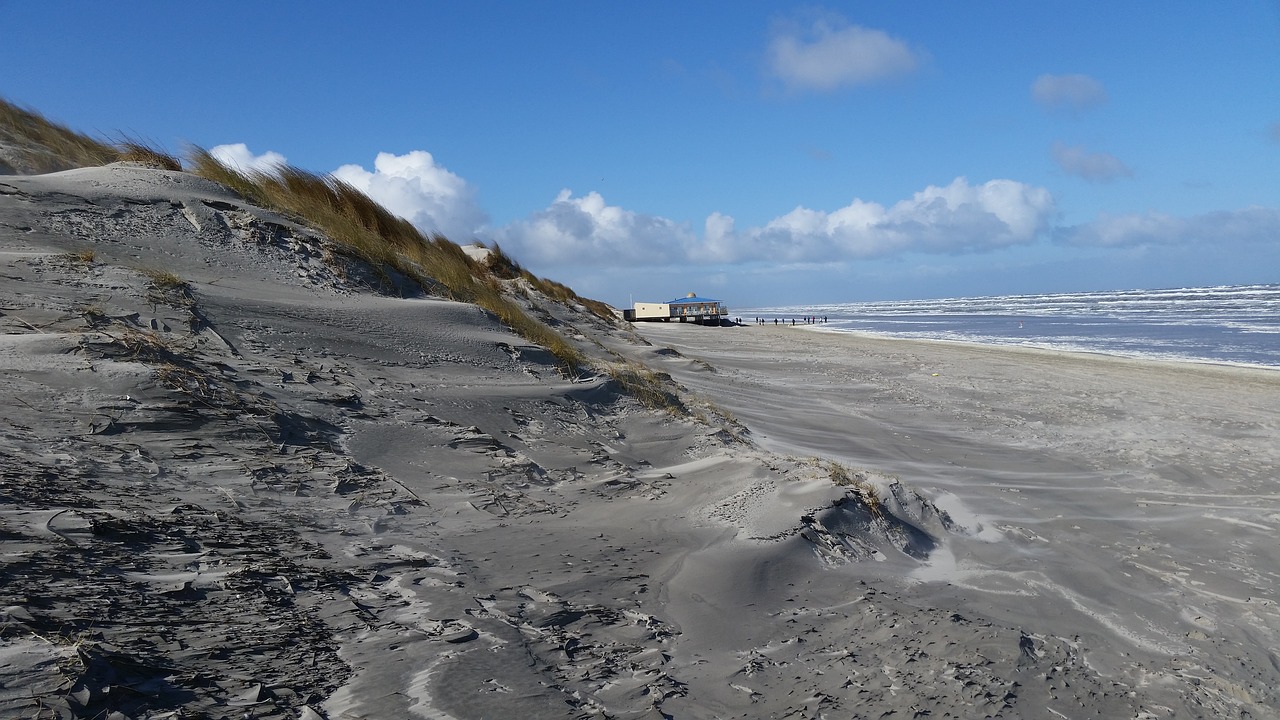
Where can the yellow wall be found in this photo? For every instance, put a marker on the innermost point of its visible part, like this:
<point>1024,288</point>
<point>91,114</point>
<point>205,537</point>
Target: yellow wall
<point>652,310</point>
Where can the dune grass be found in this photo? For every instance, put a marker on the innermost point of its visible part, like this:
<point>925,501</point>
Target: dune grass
<point>654,389</point>
<point>845,477</point>
<point>365,230</point>
<point>361,227</point>
<point>83,255</point>
<point>503,266</point>
<point>47,146</point>
<point>140,152</point>
<point>44,146</point>
<point>165,281</point>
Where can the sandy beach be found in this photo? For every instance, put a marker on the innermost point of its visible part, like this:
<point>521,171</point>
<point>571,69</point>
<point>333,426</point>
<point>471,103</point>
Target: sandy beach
<point>1119,512</point>
<point>271,491</point>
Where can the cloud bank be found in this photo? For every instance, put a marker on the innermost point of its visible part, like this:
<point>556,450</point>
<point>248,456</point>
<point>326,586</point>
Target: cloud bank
<point>829,53</point>
<point>414,187</point>
<point>1097,167</point>
<point>238,156</point>
<point>1071,93</point>
<point>1215,229</point>
<point>957,218</point>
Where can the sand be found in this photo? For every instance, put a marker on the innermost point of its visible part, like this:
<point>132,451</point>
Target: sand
<point>276,493</point>
<point>1119,513</point>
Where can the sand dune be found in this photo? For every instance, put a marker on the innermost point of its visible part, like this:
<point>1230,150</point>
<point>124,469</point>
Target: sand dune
<point>269,491</point>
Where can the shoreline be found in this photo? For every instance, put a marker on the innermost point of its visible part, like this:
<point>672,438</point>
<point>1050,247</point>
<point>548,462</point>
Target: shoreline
<point>1137,357</point>
<point>1235,324</point>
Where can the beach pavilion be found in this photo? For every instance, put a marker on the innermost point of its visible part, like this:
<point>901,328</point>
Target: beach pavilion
<point>689,308</point>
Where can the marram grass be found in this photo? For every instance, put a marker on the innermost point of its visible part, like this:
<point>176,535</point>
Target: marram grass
<point>367,231</point>
<point>139,152</point>
<point>42,145</point>
<point>360,226</point>
<point>501,265</point>
<point>46,146</point>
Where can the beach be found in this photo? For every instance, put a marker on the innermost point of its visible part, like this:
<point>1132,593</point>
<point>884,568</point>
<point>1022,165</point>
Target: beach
<point>1123,509</point>
<point>239,480</point>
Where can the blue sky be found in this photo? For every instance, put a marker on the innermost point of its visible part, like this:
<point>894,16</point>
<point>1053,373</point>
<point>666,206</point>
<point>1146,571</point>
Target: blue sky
<point>757,152</point>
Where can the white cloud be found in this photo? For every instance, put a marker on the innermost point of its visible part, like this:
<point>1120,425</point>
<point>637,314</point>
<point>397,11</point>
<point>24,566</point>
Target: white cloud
<point>1092,166</point>
<point>238,157</point>
<point>957,218</point>
<point>830,53</point>
<point>586,230</point>
<point>717,237</point>
<point>1215,229</point>
<point>414,187</point>
<point>1073,93</point>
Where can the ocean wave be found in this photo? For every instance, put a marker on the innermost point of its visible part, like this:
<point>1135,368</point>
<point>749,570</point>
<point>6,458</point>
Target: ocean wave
<point>1230,324</point>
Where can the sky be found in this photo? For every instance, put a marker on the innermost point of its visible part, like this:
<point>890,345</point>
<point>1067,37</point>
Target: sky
<point>760,153</point>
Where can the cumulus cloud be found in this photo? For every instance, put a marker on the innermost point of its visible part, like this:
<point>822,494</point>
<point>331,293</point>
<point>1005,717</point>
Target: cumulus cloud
<point>238,156</point>
<point>957,218</point>
<point>829,53</point>
<point>1227,227</point>
<point>1072,93</point>
<point>426,194</point>
<point>586,230</point>
<point>1098,167</point>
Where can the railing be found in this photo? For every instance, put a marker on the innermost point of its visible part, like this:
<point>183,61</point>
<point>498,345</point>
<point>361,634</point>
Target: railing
<point>691,310</point>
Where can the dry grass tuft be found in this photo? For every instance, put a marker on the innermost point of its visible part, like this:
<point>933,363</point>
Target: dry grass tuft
<point>135,151</point>
<point>565,295</point>
<point>42,145</point>
<point>207,166</point>
<point>172,363</point>
<point>653,389</point>
<point>85,255</point>
<point>844,476</point>
<point>170,289</point>
<point>502,266</point>
<point>94,315</point>
<point>164,280</point>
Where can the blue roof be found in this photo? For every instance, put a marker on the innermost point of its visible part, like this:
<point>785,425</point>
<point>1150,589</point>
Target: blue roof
<point>687,300</point>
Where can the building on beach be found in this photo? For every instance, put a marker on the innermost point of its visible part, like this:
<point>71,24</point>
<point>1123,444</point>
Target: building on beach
<point>689,308</point>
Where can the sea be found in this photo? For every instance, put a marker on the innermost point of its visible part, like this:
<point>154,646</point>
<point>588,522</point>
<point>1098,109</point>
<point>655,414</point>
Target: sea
<point>1236,324</point>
